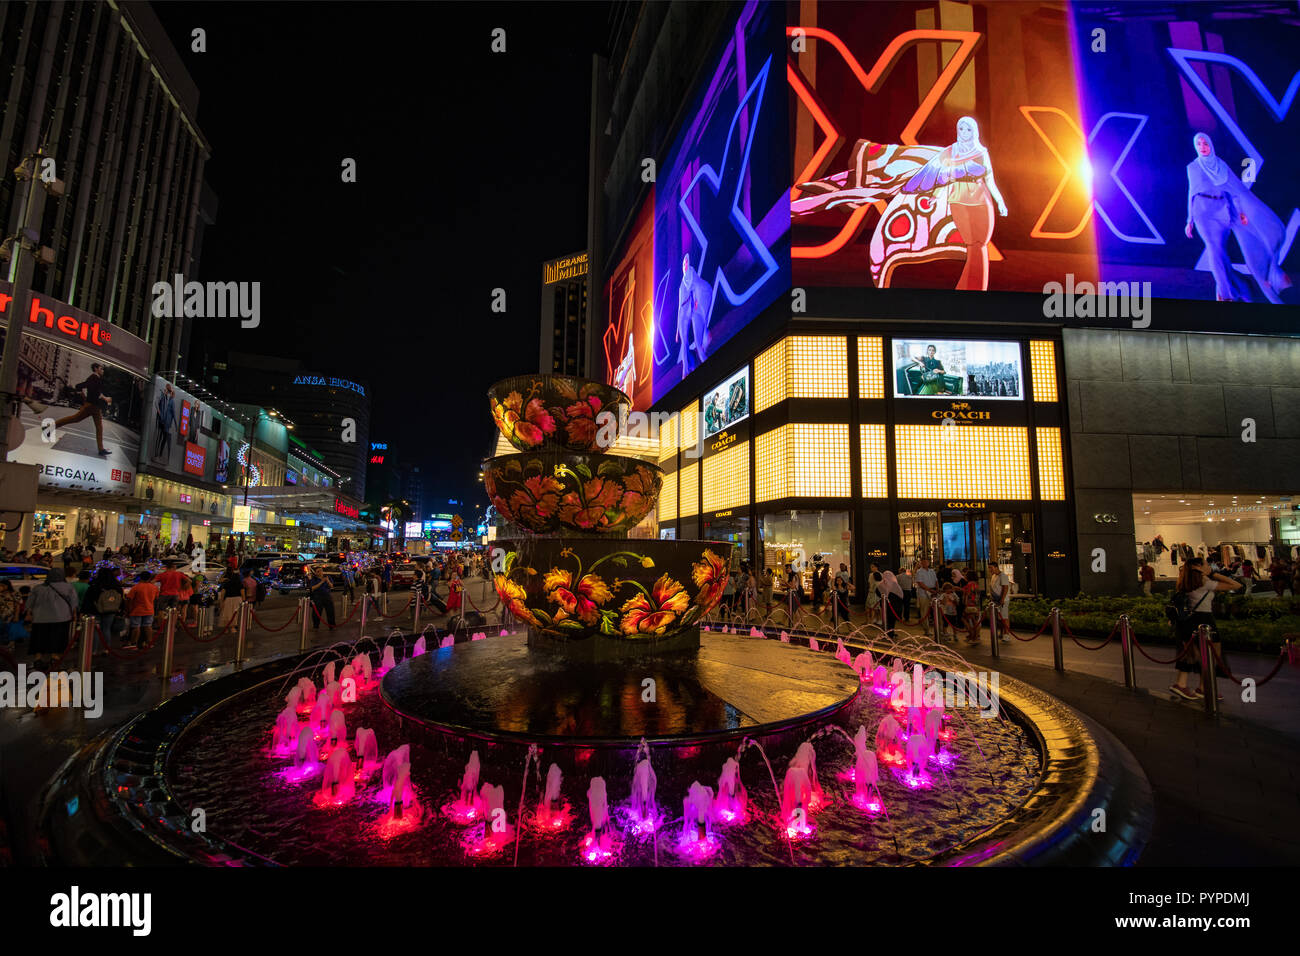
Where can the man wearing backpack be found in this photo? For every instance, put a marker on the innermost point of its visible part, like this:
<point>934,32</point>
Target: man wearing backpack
<point>104,599</point>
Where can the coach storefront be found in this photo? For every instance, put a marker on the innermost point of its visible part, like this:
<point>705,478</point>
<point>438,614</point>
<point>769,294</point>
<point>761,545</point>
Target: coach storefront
<point>881,449</point>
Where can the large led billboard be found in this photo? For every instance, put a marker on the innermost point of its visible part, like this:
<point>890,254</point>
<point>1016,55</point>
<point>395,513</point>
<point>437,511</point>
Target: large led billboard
<point>628,341</point>
<point>1006,145</point>
<point>726,405</point>
<point>939,368</point>
<point>722,201</point>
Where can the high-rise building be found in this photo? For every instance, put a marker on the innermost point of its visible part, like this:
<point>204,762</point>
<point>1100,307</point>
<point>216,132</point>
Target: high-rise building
<point>99,90</point>
<point>330,413</point>
<point>868,350</point>
<point>564,345</point>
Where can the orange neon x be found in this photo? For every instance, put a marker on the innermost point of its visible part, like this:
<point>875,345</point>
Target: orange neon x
<point>1038,232</point>
<point>871,81</point>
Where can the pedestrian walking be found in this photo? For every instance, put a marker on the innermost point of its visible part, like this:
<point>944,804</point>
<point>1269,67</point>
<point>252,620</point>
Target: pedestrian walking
<point>927,587</point>
<point>50,609</point>
<point>1193,606</point>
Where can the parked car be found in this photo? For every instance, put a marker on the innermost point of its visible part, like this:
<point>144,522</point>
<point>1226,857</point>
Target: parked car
<point>23,575</point>
<point>404,575</point>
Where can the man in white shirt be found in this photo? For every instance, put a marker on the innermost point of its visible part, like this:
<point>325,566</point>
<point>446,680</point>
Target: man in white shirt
<point>927,584</point>
<point>1000,592</point>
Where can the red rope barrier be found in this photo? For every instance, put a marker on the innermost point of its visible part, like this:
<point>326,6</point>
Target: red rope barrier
<point>1108,639</point>
<point>1218,659</point>
<point>215,634</point>
<point>389,617</point>
<point>274,630</point>
<point>1173,660</point>
<point>351,614</point>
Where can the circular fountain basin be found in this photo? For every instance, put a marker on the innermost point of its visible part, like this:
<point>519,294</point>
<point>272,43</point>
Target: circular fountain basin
<point>731,686</point>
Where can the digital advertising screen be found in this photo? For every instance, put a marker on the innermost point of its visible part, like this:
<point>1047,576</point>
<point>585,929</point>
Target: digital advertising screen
<point>722,201</point>
<point>628,340</point>
<point>940,368</point>
<point>727,404</point>
<point>1007,145</point>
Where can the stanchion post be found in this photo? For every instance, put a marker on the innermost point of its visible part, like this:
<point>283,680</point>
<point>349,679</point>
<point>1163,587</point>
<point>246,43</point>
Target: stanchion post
<point>241,643</point>
<point>169,644</point>
<point>1126,651</point>
<point>1058,649</point>
<point>993,629</point>
<point>88,642</point>
<point>303,610</point>
<point>937,614</point>
<point>1209,681</point>
<point>415,613</point>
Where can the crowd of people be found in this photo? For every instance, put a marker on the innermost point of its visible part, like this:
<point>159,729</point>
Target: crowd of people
<point>127,604</point>
<point>891,597</point>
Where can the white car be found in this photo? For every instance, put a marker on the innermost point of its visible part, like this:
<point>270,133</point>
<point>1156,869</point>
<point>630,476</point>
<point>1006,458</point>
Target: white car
<point>23,575</point>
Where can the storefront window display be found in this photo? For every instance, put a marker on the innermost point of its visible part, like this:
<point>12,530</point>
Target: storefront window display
<point>802,539</point>
<point>49,531</point>
<point>970,540</point>
<point>1225,529</point>
<point>733,528</point>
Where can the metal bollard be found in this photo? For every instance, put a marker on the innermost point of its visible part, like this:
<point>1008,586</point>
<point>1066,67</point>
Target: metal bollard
<point>88,642</point>
<point>993,628</point>
<point>347,604</point>
<point>415,614</point>
<point>1209,681</point>
<point>169,644</point>
<point>365,606</point>
<point>304,610</point>
<point>384,612</point>
<point>1126,651</point>
<point>938,619</point>
<point>1058,649</point>
<point>243,632</point>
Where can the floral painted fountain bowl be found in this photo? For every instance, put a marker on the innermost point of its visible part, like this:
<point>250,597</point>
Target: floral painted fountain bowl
<point>536,411</point>
<point>639,589</point>
<point>592,493</point>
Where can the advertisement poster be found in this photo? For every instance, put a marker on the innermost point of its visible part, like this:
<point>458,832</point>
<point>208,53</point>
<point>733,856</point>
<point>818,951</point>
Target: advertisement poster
<point>628,341</point>
<point>722,201</point>
<point>187,437</point>
<point>1006,145</point>
<point>81,417</point>
<point>727,404</point>
<point>930,368</point>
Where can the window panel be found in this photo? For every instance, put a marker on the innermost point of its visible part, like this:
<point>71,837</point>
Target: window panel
<point>689,495</point>
<point>1042,364</point>
<point>875,468</point>
<point>1051,465</point>
<point>871,367</point>
<point>963,461</point>
<point>726,479</point>
<point>668,498</point>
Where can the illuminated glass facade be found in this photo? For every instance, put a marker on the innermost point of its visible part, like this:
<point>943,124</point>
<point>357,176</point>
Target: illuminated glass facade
<point>835,453</point>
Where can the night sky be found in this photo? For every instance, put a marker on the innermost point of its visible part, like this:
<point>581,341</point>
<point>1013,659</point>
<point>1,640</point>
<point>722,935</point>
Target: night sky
<point>471,171</point>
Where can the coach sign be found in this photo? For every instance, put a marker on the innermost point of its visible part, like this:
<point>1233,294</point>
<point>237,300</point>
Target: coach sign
<point>65,325</point>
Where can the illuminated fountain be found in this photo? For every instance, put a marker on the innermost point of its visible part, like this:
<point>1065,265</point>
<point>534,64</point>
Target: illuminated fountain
<point>607,663</point>
<point>732,798</point>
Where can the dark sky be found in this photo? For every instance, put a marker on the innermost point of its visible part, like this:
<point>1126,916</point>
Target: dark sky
<point>471,171</point>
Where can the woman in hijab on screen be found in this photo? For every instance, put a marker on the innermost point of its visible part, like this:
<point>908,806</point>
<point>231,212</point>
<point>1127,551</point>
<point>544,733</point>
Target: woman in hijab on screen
<point>1218,203</point>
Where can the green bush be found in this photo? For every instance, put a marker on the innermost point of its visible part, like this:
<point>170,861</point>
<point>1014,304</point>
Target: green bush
<point>1254,624</point>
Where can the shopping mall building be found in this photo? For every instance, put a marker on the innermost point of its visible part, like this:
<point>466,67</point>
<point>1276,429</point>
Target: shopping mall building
<point>854,379</point>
